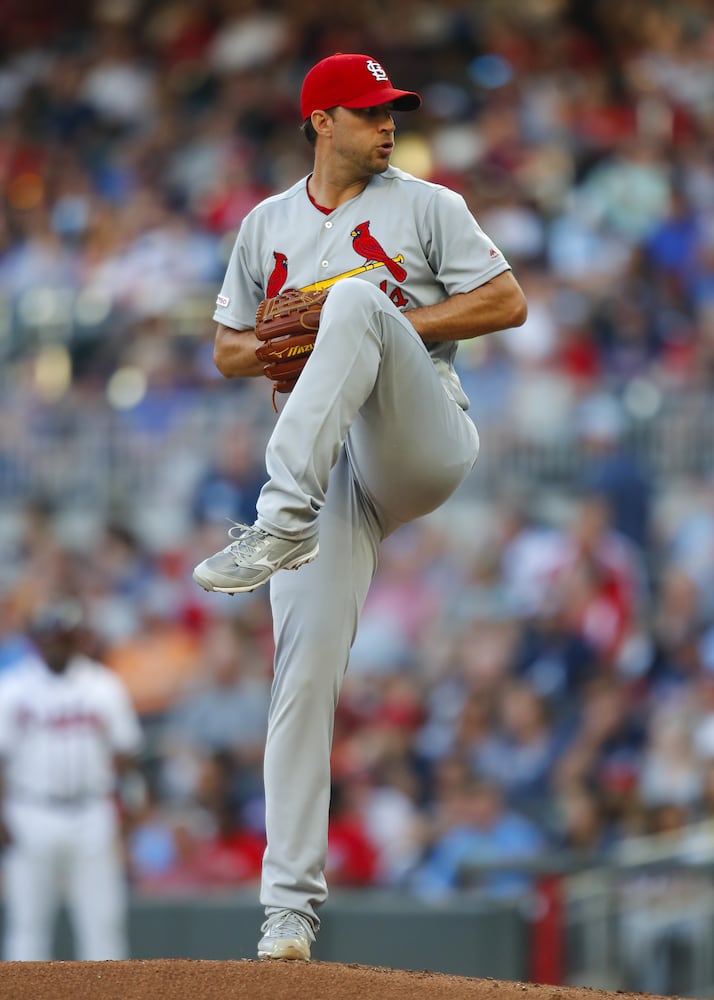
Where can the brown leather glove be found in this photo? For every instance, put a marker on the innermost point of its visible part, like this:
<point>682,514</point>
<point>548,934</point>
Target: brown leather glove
<point>288,324</point>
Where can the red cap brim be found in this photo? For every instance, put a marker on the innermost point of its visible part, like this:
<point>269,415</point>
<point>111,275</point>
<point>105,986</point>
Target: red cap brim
<point>403,100</point>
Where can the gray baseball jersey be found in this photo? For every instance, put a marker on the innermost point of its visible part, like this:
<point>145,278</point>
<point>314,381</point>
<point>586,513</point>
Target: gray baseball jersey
<point>374,434</point>
<point>415,240</point>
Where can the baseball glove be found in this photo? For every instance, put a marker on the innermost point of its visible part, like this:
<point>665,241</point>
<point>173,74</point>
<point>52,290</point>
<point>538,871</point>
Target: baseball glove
<point>287,324</point>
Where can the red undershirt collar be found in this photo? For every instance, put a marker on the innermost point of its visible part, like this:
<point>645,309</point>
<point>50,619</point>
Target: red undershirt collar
<point>320,208</point>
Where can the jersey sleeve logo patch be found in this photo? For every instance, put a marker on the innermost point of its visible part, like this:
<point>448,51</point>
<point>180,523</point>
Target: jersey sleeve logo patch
<point>222,300</point>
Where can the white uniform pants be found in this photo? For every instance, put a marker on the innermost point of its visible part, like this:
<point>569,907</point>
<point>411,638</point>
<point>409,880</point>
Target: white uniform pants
<point>369,439</point>
<point>70,854</point>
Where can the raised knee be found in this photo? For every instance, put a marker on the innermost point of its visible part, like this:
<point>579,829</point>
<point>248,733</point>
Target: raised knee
<point>354,291</point>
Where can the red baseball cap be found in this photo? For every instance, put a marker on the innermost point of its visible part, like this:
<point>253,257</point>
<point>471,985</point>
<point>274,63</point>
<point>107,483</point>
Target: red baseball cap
<point>351,80</point>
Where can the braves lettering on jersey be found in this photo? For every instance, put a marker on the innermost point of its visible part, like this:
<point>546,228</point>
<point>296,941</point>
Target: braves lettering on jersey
<point>59,732</point>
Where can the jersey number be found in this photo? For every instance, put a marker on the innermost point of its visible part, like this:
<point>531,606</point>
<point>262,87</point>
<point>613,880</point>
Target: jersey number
<point>396,295</point>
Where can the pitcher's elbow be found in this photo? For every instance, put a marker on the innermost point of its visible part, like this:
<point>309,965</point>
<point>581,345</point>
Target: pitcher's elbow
<point>218,359</point>
<point>519,312</point>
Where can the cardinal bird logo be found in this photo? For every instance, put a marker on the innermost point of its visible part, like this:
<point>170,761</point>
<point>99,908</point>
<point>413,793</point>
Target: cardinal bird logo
<point>368,247</point>
<point>278,275</point>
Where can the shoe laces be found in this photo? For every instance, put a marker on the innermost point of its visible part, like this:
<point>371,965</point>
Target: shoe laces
<point>288,923</point>
<point>247,540</point>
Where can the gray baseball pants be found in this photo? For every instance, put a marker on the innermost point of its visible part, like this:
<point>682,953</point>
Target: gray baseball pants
<point>369,439</point>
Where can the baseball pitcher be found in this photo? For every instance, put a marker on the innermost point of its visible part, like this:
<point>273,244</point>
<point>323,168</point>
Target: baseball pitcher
<point>350,292</point>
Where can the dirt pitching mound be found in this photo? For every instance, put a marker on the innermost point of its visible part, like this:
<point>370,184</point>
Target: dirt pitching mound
<point>179,979</point>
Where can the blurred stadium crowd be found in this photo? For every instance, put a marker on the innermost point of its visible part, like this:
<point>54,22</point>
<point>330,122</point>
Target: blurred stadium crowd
<point>535,666</point>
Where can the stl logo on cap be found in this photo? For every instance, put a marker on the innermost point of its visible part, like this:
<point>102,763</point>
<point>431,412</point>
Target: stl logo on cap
<point>352,80</point>
<point>376,70</point>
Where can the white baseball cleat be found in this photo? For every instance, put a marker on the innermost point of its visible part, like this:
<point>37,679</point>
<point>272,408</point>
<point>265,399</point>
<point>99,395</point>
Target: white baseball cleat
<point>286,934</point>
<point>251,559</point>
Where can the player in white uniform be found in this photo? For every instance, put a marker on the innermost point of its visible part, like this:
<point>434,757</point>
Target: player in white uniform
<point>374,434</point>
<point>67,728</point>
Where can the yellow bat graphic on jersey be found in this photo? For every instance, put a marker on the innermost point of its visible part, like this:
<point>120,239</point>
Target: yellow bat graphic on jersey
<point>328,282</point>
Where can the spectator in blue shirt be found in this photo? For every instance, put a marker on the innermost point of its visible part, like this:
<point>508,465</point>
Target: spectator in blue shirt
<point>481,832</point>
